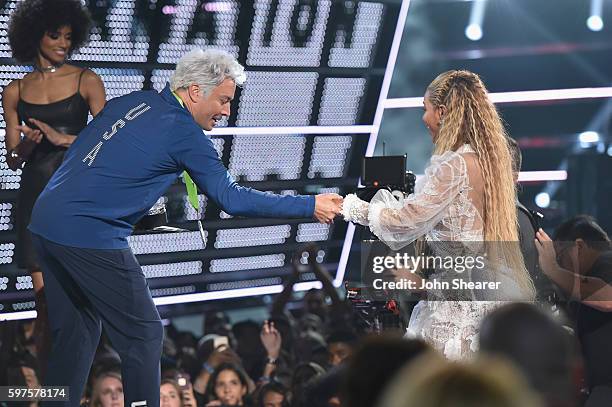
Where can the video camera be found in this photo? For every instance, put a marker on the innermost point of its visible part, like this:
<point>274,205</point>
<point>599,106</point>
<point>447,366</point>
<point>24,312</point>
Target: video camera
<point>376,315</point>
<point>375,309</point>
<point>386,172</point>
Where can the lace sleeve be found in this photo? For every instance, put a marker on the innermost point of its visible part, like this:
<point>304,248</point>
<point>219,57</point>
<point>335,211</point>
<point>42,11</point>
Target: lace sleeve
<point>355,210</point>
<point>399,223</point>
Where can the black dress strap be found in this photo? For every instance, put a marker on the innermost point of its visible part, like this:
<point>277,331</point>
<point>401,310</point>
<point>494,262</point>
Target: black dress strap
<point>80,76</point>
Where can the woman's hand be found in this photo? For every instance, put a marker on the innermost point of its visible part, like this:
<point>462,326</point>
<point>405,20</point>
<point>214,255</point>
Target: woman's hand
<point>15,157</point>
<point>33,135</point>
<point>13,160</point>
<point>223,355</point>
<point>55,137</point>
<point>271,339</point>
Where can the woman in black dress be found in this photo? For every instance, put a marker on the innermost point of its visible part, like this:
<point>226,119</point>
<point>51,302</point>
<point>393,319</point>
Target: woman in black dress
<point>49,106</point>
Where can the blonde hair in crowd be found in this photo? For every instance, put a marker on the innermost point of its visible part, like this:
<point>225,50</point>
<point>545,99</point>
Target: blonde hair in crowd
<point>472,119</point>
<point>431,381</point>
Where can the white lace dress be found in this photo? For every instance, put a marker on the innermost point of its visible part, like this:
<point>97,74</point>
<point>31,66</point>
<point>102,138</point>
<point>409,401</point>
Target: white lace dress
<point>446,206</point>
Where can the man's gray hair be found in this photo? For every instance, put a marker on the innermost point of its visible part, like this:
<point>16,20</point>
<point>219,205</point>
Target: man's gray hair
<point>206,68</point>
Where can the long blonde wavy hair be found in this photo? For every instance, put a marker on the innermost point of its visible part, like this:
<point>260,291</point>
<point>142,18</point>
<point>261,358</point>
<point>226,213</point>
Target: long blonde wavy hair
<point>472,119</point>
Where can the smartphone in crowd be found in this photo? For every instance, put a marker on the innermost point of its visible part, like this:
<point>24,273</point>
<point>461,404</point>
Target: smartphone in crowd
<point>221,342</point>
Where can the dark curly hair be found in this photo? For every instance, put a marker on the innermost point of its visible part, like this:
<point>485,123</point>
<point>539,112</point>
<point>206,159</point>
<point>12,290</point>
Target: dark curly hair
<point>33,18</point>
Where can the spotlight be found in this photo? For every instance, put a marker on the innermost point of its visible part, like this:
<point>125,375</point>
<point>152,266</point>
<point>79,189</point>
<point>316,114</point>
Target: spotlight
<point>474,29</point>
<point>595,23</point>
<point>588,137</point>
<point>473,32</point>
<point>542,200</point>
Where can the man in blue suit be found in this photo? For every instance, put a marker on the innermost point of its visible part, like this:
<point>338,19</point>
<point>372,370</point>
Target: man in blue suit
<point>117,168</point>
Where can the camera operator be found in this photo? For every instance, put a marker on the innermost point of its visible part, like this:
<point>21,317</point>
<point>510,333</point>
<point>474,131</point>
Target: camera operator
<point>580,263</point>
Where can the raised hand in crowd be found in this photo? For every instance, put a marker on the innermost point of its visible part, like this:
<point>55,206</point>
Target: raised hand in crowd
<point>222,354</point>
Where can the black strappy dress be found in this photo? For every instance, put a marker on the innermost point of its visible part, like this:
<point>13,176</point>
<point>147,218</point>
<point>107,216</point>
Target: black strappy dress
<point>68,116</point>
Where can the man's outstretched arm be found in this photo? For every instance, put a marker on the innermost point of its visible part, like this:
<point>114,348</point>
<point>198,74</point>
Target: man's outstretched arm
<point>203,164</point>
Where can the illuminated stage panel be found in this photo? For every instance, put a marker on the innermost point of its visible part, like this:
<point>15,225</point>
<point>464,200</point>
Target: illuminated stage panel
<point>163,292</point>
<point>24,283</point>
<point>218,143</point>
<point>9,179</point>
<point>247,263</point>
<point>255,157</point>
<point>190,213</point>
<point>5,49</point>
<point>190,27</point>
<point>6,210</point>
<point>354,48</point>
<point>277,99</point>
<point>160,77</point>
<point>119,82</point>
<point>340,102</point>
<point>288,33</point>
<point>166,242</point>
<point>312,232</point>
<point>7,252</point>
<point>260,282</point>
<point>329,155</point>
<point>22,306</point>
<point>120,38</point>
<point>247,237</point>
<point>173,269</point>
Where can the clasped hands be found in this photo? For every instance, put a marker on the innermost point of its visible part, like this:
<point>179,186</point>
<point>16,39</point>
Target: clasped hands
<point>32,136</point>
<point>328,206</point>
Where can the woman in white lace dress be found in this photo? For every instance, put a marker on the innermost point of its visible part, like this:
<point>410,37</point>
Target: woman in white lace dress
<point>466,195</point>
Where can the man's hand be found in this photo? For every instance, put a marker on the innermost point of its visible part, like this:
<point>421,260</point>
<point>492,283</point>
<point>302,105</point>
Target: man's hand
<point>546,252</point>
<point>327,207</point>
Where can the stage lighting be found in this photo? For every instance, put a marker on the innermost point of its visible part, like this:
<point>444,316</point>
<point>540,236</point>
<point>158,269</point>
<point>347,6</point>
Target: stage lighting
<point>474,29</point>
<point>595,22</point>
<point>542,200</point>
<point>473,32</point>
<point>587,138</point>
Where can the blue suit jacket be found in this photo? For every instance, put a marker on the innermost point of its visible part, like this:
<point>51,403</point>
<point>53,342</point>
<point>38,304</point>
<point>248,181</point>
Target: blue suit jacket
<point>125,159</point>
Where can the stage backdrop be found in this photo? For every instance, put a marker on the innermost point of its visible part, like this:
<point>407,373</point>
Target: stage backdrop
<point>309,64</point>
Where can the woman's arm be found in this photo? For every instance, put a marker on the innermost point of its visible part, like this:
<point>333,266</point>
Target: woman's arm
<point>14,156</point>
<point>398,223</point>
<point>93,92</point>
<point>10,97</point>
